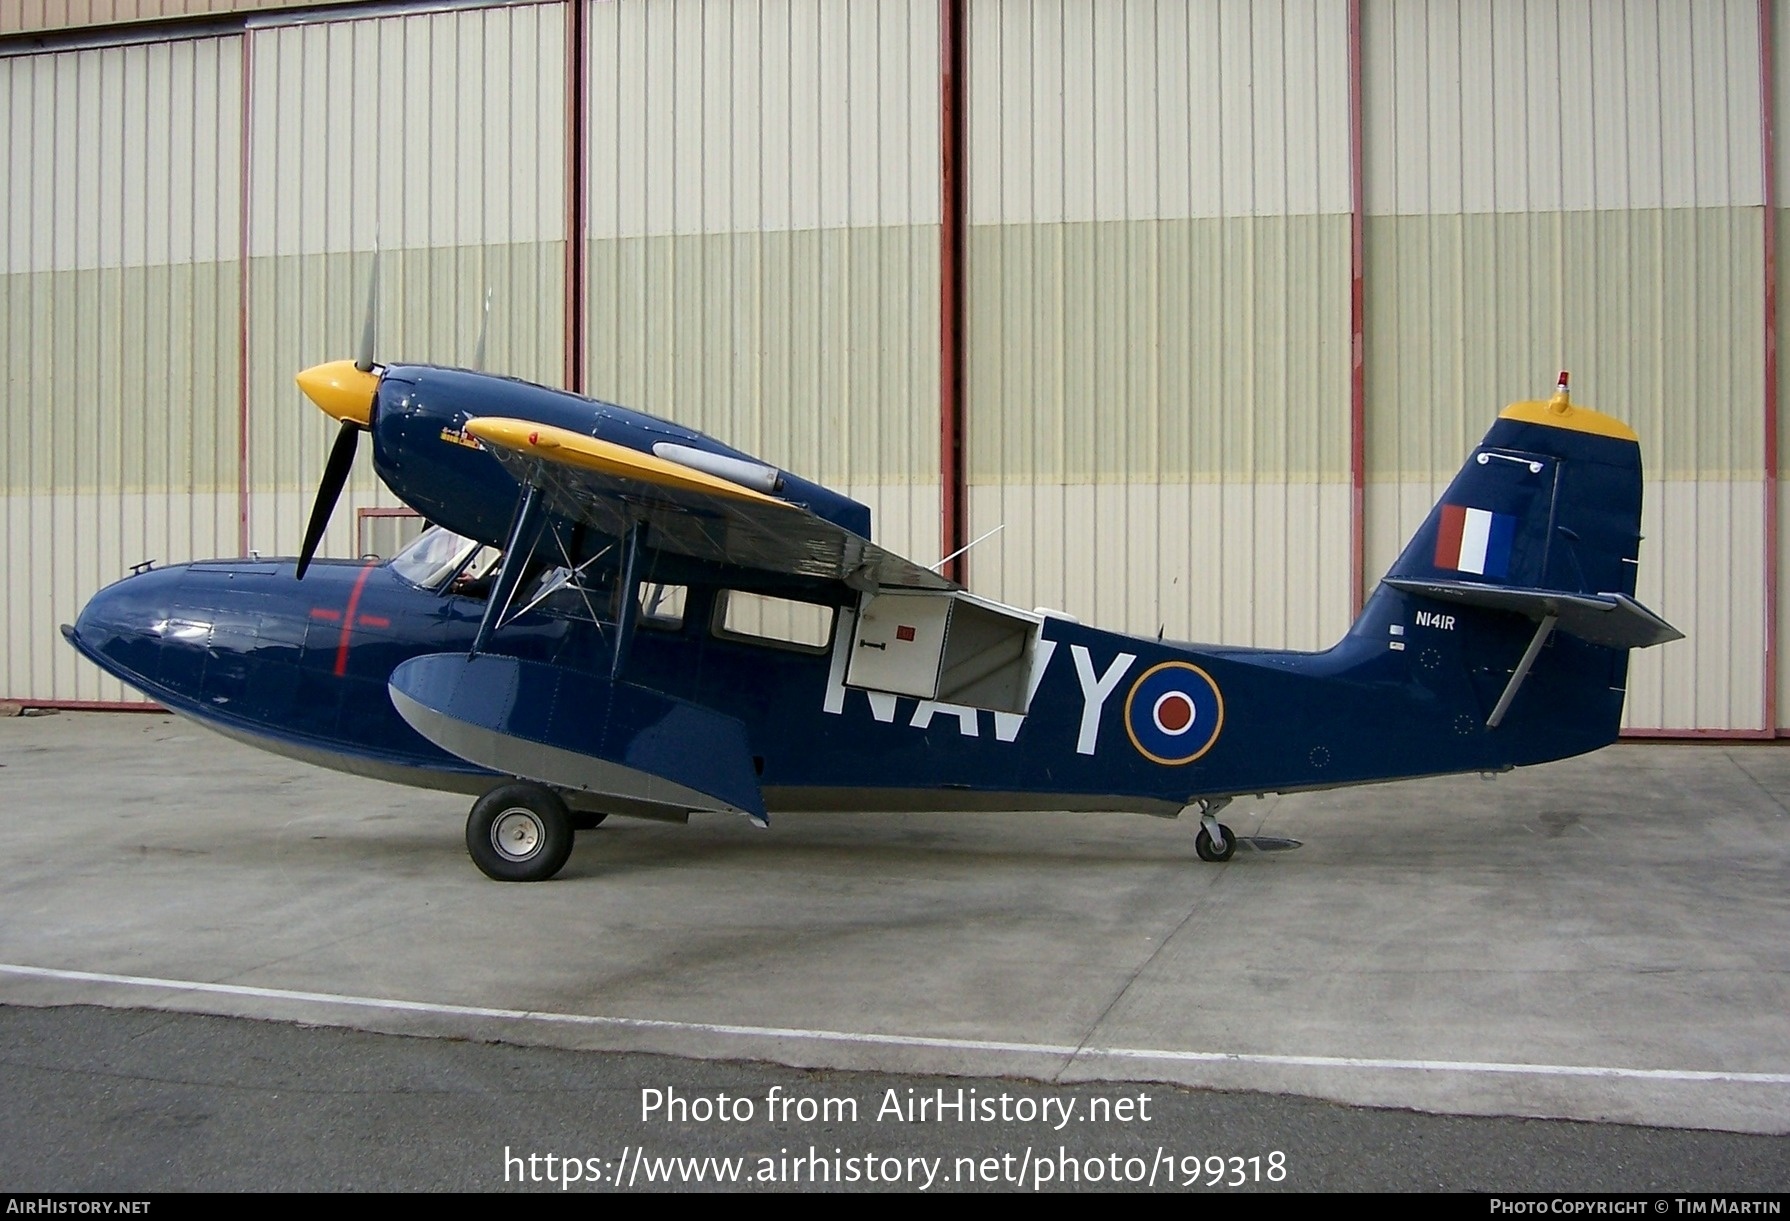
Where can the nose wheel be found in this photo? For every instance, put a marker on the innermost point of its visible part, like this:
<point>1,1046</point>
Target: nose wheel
<point>519,832</point>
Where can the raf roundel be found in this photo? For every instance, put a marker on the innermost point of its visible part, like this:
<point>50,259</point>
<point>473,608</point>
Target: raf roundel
<point>1174,713</point>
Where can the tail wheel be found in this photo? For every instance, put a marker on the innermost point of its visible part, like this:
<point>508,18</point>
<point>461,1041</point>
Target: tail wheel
<point>519,832</point>
<point>1202,844</point>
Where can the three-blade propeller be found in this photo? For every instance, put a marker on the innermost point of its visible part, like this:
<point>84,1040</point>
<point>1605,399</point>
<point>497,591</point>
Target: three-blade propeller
<point>345,390</point>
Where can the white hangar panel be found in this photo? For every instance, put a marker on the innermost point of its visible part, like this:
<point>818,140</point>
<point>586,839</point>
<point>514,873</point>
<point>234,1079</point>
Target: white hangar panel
<point>17,16</point>
<point>764,235</point>
<point>762,115</point>
<point>119,288</point>
<point>1702,567</point>
<point>1156,108</point>
<point>440,134</point>
<point>431,130</point>
<point>122,156</point>
<point>1555,105</point>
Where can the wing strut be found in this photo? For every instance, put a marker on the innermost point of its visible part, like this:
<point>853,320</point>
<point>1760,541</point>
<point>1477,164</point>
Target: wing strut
<point>1522,671</point>
<point>572,575</point>
<point>630,605</point>
<point>524,533</point>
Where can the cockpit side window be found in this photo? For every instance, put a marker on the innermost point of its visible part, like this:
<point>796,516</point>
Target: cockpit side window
<point>437,556</point>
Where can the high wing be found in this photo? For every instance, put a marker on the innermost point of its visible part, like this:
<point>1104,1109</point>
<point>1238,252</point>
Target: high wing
<point>612,488</point>
<point>647,750</point>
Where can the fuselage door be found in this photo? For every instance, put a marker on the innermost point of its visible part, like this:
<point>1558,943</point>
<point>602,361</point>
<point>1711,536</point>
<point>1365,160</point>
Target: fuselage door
<point>947,646</point>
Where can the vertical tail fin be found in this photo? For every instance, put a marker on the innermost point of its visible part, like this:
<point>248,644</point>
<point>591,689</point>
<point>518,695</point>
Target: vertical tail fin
<point>1541,525</point>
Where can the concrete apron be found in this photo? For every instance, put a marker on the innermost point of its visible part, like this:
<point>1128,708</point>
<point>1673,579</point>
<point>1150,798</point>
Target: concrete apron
<point>1602,939</point>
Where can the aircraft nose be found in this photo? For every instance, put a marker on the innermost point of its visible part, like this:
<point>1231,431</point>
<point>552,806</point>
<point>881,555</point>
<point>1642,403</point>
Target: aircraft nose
<point>121,625</point>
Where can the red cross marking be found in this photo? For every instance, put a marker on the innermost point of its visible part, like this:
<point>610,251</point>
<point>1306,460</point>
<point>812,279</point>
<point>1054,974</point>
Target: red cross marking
<point>348,619</point>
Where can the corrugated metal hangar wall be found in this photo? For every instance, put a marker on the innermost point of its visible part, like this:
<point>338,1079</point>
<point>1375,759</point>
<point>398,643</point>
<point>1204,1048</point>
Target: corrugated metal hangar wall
<point>1204,302</point>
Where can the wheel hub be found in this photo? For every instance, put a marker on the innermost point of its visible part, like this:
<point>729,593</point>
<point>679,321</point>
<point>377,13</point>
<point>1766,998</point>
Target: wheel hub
<point>516,834</point>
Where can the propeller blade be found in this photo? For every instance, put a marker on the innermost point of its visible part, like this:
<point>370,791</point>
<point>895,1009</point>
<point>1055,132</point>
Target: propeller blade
<point>329,489</point>
<point>364,362</point>
<point>478,352</point>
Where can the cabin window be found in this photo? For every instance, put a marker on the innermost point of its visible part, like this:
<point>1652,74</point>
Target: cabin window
<point>662,605</point>
<point>777,621</point>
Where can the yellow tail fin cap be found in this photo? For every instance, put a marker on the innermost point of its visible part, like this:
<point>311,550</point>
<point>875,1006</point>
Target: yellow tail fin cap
<point>1559,412</point>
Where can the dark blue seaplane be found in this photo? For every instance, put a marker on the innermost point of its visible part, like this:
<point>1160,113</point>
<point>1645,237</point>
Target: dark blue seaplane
<point>611,614</point>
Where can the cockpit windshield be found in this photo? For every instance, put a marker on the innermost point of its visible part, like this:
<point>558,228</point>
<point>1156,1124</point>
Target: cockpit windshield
<point>437,555</point>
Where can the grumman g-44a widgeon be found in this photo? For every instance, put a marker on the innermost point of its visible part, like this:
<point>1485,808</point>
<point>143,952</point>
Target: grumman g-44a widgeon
<point>611,614</point>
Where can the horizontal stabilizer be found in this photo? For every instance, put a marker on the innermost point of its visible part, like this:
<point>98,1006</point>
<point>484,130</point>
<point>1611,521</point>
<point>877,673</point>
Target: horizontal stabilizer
<point>1614,620</point>
<point>581,731</point>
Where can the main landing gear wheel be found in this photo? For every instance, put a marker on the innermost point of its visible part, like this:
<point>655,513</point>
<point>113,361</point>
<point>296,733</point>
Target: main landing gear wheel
<point>519,832</point>
<point>1202,844</point>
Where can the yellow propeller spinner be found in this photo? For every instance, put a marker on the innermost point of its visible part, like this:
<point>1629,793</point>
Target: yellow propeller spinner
<point>342,389</point>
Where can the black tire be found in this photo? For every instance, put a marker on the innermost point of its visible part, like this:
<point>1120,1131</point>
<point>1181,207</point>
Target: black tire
<point>1202,844</point>
<point>519,833</point>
